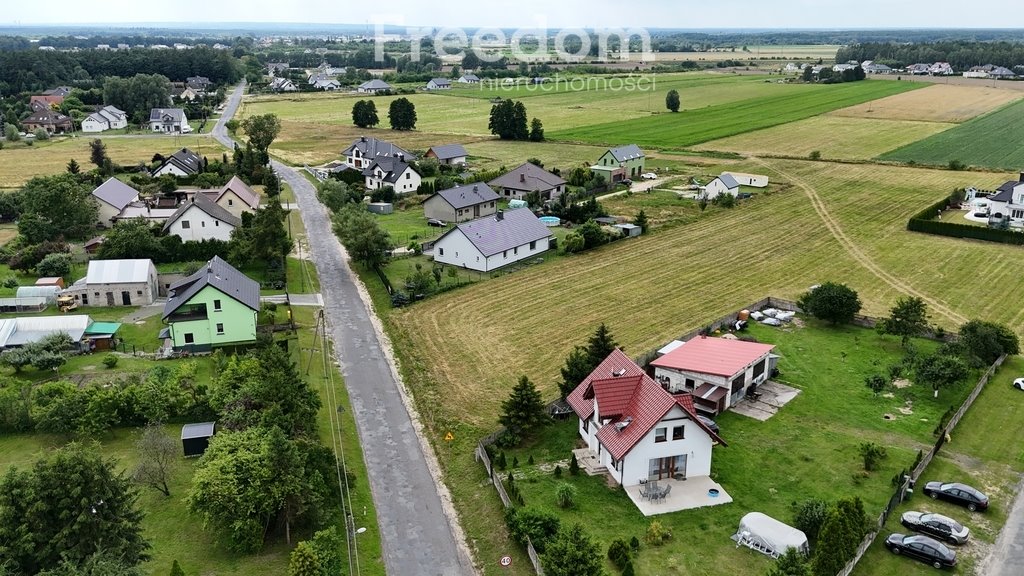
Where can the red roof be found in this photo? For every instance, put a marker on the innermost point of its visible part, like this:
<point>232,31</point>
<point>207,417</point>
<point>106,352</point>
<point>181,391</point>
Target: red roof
<point>717,356</point>
<point>616,362</point>
<point>613,394</point>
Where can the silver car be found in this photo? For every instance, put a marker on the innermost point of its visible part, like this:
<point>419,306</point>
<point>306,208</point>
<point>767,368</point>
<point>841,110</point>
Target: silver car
<point>936,525</point>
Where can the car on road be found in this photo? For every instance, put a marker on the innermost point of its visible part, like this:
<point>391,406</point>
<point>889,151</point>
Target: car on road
<point>711,424</point>
<point>1019,383</point>
<point>436,222</point>
<point>937,526</point>
<point>957,493</point>
<point>626,182</point>
<point>923,548</point>
<point>649,176</point>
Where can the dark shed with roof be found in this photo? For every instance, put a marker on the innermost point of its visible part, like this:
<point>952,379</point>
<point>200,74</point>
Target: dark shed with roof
<point>195,438</point>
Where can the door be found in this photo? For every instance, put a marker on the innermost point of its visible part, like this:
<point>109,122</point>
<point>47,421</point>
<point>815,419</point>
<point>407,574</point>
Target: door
<point>110,298</point>
<point>476,211</point>
<point>126,298</point>
<point>662,468</point>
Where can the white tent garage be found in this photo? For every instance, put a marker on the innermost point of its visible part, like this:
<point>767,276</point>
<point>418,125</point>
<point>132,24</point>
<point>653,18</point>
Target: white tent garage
<point>769,536</point>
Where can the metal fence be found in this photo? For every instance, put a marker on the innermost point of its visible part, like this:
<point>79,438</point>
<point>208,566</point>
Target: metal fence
<point>482,456</point>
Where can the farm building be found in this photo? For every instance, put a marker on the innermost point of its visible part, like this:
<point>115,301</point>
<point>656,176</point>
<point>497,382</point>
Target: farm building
<point>111,198</point>
<point>381,207</point>
<point>116,283</point>
<point>753,180</point>
<point>622,163</point>
<point>195,438</point>
<point>724,184</point>
<point>216,306</point>
<point>629,230</point>
<point>528,178</point>
<point>461,203</point>
<point>47,293</point>
<point>449,154</point>
<point>51,281</point>
<point>17,332</point>
<point>488,243</point>
<point>28,304</point>
<point>717,371</point>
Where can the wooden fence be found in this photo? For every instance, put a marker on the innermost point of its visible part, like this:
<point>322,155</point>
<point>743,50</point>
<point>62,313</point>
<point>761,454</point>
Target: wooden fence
<point>903,490</point>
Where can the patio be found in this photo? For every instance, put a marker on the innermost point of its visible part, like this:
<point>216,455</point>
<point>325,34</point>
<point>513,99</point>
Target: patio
<point>684,495</point>
<point>771,396</point>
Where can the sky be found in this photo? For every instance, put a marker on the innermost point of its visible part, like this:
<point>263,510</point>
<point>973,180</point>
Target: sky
<point>551,14</point>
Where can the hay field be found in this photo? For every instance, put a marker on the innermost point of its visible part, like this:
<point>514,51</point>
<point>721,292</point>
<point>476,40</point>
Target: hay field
<point>835,137</point>
<point>936,103</point>
<point>836,221</point>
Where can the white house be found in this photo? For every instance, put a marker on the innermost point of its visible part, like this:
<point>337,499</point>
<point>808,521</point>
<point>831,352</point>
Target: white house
<point>117,283</point>
<point>752,180</point>
<point>724,184</point>
<point>106,118</point>
<point>282,85</point>
<point>526,178</point>
<point>182,162</point>
<point>439,84</point>
<point>168,120</point>
<point>717,371</point>
<point>469,79</point>
<point>1007,204</point>
<point>488,243</point>
<point>450,154</point>
<point>237,197</point>
<point>638,430</point>
<point>361,153</point>
<point>392,171</point>
<point>373,87</point>
<point>111,198</point>
<point>201,219</point>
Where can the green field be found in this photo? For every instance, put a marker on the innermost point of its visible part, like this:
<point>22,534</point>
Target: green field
<point>988,141</point>
<point>783,103</point>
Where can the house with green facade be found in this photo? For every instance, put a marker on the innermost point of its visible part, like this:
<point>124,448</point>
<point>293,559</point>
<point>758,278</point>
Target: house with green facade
<point>618,164</point>
<point>214,307</point>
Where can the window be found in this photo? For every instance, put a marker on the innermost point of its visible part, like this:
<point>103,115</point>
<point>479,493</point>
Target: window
<point>408,176</point>
<point>220,328</point>
<point>690,383</point>
<point>216,305</point>
<point>189,338</point>
<point>586,425</point>
<point>440,251</point>
<point>138,292</point>
<point>216,222</point>
<point>533,245</point>
<point>678,433</point>
<point>185,224</point>
<point>504,254</point>
<point>1016,214</point>
<point>203,224</point>
<point>231,202</point>
<point>515,250</point>
<point>660,434</point>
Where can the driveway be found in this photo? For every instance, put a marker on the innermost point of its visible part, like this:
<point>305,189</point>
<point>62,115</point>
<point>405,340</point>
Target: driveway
<point>417,527</point>
<point>1007,555</point>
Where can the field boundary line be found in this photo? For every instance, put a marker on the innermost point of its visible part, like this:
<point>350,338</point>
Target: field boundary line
<point>854,251</point>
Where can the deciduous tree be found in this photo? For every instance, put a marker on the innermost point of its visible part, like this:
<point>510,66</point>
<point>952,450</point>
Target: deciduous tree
<point>832,302</point>
<point>536,130</point>
<point>158,456</point>
<point>364,114</point>
<point>508,120</point>
<point>402,114</point>
<point>303,561</point>
<point>940,371</point>
<point>907,319</point>
<point>672,100</point>
<point>262,130</point>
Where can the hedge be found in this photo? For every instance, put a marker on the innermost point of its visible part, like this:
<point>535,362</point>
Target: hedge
<point>924,221</point>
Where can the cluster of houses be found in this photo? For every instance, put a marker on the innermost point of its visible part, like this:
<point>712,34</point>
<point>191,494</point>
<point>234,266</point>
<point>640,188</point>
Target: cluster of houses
<point>920,69</point>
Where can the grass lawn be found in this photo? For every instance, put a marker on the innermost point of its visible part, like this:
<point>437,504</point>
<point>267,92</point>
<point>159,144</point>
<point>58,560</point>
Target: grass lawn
<point>985,135</point>
<point>406,226</point>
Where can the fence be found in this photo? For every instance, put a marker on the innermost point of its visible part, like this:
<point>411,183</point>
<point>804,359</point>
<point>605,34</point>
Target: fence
<point>909,480</point>
<point>482,456</point>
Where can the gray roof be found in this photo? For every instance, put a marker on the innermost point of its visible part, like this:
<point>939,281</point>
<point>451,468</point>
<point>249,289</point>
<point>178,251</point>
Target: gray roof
<point>116,193</point>
<point>118,271</point>
<point>468,195</point>
<point>441,81</point>
<point>176,114</point>
<point>372,148</point>
<point>729,181</point>
<point>528,177</point>
<point>503,231</point>
<point>202,202</point>
<point>449,151</point>
<point>1005,192</point>
<point>187,160</point>
<point>393,168</point>
<point>375,84</point>
<point>222,276</point>
<point>625,153</point>
<point>470,77</point>
<point>200,430</point>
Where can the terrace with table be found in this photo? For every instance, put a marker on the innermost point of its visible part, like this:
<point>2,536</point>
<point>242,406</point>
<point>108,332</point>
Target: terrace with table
<point>663,496</point>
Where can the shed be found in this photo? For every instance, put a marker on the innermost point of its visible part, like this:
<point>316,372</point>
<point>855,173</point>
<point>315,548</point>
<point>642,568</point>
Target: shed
<point>670,347</point>
<point>381,207</point>
<point>101,335</point>
<point>47,292</point>
<point>31,304</point>
<point>629,230</point>
<point>51,281</point>
<point>195,438</point>
<point>606,220</point>
<point>767,535</point>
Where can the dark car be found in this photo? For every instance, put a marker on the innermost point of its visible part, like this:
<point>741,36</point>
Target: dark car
<point>957,493</point>
<point>711,424</point>
<point>436,222</point>
<point>923,548</point>
<point>937,526</point>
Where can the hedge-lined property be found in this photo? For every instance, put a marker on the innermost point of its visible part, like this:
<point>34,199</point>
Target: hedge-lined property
<point>924,221</point>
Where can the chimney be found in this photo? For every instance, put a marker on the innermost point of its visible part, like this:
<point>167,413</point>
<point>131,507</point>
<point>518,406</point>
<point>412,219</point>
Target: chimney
<point>362,138</point>
<point>401,157</point>
<point>475,187</point>
<point>1021,177</point>
<point>499,215</point>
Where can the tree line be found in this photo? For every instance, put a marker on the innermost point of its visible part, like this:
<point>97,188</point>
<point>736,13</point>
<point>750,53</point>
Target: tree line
<point>962,55</point>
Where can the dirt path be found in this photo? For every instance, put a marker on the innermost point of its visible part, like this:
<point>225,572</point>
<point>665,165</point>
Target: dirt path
<point>854,251</point>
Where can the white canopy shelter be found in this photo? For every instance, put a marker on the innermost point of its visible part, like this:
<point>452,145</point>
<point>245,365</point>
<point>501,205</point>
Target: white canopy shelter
<point>767,535</point>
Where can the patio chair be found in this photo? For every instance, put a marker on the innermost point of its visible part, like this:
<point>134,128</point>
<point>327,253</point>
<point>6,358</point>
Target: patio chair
<point>645,493</point>
<point>664,493</point>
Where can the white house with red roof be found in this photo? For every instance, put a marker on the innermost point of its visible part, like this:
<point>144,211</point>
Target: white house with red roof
<point>719,372</point>
<point>638,430</point>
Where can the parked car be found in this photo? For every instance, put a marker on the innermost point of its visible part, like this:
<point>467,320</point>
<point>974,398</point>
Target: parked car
<point>1019,383</point>
<point>711,424</point>
<point>626,182</point>
<point>936,525</point>
<point>649,176</point>
<point>957,493</point>
<point>436,222</point>
<point>923,548</point>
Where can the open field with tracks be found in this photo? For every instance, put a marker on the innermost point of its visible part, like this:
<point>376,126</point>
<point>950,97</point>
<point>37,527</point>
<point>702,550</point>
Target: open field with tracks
<point>936,103</point>
<point>988,141</point>
<point>835,137</point>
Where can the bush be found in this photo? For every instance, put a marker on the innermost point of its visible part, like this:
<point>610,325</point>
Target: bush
<point>657,534</point>
<point>627,570</point>
<point>565,495</point>
<point>956,165</point>
<point>110,360</point>
<point>41,134</point>
<point>872,454</point>
<point>815,155</point>
<point>618,553</point>
<point>634,544</point>
<point>574,466</point>
<point>833,302</point>
<point>876,382</point>
<point>809,515</point>
<point>537,525</point>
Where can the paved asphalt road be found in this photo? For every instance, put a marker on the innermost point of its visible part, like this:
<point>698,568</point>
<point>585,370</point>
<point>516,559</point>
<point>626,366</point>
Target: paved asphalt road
<point>1007,556</point>
<point>416,536</point>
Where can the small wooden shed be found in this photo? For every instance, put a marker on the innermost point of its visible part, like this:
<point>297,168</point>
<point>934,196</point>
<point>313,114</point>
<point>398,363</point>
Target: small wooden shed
<point>195,438</point>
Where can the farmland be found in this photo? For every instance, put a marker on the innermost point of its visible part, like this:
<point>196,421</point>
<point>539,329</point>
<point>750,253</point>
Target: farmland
<point>787,53</point>
<point>986,141</point>
<point>936,103</point>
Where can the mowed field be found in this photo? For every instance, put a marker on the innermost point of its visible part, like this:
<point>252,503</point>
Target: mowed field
<point>991,141</point>
<point>786,53</point>
<point>19,164</point>
<point>834,137</point>
<point>936,103</point>
<point>836,222</point>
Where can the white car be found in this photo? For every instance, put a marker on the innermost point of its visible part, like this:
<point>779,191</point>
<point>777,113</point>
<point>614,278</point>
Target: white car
<point>649,176</point>
<point>1019,383</point>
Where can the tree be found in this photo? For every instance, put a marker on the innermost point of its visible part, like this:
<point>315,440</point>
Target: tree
<point>836,545</point>
<point>11,133</point>
<point>335,194</point>
<point>907,319</point>
<point>672,100</point>
<point>55,265</point>
<point>593,235</point>
<point>940,371</point>
<point>600,345</point>
<point>364,114</point>
<point>326,544</point>
<point>402,114</point>
<point>262,130</point>
<point>573,553</point>
<point>470,61</point>
<point>577,367</point>
<point>132,238</point>
<point>16,358</point>
<point>792,563</point>
<point>70,503</point>
<point>523,411</point>
<point>872,454</point>
<point>832,302</point>
<point>362,236</point>
<point>73,167</point>
<point>987,341</point>
<point>137,95</point>
<point>536,130</point>
<point>232,125</point>
<point>271,184</point>
<point>808,74</point>
<point>102,563</point>
<point>262,238</point>
<point>303,561</point>
<point>641,221</point>
<point>158,455</point>
<point>176,569</point>
<point>508,120</point>
<point>537,525</point>
<point>809,516</point>
<point>98,153</point>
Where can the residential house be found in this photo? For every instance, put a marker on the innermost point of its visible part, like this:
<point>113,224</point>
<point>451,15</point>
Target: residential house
<point>374,86</point>
<point>491,242</point>
<point>44,117</point>
<point>919,69</point>
<point>449,154</point>
<point>719,372</point>
<point>106,118</point>
<point>185,94</point>
<point>326,83</point>
<point>528,178</point>
<point>52,97</point>
<point>462,203</point>
<point>216,306</point>
<point>941,69</point>
<point>724,184</point>
<point>1007,204</point>
<point>276,68</point>
<point>469,79</point>
<point>875,68</point>
<point>753,180</point>
<point>237,197</point>
<point>618,164</point>
<point>282,85</point>
<point>793,68</point>
<point>201,84</point>
<point>168,120</point>
<point>840,68</point>
<point>638,430</point>
<point>201,219</point>
<point>183,162</point>
<point>364,151</point>
<point>116,283</point>
<point>392,171</point>
<point>439,84</point>
<point>111,198</point>
<point>1001,73</point>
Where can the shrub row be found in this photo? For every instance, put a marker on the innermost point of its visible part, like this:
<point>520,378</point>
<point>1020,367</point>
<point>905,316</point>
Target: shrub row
<point>924,221</point>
